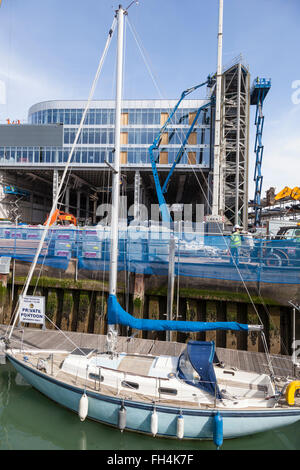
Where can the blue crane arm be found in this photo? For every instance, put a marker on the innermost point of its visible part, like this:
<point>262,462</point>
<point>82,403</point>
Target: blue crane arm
<point>186,92</point>
<point>166,216</point>
<point>182,148</point>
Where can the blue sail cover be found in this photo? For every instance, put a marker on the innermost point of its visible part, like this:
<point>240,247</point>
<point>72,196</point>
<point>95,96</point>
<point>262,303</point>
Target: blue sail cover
<point>116,315</point>
<point>200,354</point>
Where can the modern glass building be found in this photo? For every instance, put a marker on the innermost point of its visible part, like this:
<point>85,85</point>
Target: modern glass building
<point>41,149</point>
<point>38,151</point>
<point>141,122</point>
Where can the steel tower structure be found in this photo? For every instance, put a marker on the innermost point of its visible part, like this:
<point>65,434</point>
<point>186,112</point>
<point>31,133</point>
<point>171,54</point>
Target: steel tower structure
<point>234,147</point>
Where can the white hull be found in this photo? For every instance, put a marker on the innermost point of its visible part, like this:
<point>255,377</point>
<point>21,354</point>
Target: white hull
<point>197,423</point>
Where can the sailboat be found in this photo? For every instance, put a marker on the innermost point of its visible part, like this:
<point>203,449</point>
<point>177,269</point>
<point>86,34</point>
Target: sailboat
<point>190,396</point>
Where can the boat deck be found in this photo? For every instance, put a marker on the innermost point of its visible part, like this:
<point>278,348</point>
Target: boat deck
<point>95,386</point>
<point>140,367</point>
<point>51,339</point>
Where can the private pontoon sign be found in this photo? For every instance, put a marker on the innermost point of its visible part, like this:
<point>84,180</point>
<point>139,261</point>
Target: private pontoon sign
<point>32,309</point>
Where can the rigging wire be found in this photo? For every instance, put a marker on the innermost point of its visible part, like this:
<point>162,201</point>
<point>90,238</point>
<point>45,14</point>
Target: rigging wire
<point>209,205</point>
<point>155,82</point>
<point>141,49</point>
<point>133,1</point>
<point>58,195</point>
<point>64,334</point>
<point>59,206</point>
<point>106,196</point>
<point>65,173</point>
<point>143,54</point>
<point>125,254</point>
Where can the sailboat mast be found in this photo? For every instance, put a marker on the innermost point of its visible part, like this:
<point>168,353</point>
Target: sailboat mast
<point>116,166</point>
<point>217,149</point>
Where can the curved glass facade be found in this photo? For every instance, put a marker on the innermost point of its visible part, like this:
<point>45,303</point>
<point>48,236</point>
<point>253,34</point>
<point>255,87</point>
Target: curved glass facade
<point>106,116</point>
<point>141,123</point>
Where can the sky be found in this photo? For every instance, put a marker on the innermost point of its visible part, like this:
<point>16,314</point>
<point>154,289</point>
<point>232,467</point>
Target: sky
<point>50,50</point>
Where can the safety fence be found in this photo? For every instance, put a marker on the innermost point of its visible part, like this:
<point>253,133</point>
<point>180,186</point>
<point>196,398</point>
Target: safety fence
<point>146,251</point>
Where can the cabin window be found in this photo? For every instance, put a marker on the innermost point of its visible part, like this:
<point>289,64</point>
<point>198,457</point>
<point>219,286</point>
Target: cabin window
<point>127,384</point>
<point>96,377</point>
<point>167,391</point>
<point>228,372</point>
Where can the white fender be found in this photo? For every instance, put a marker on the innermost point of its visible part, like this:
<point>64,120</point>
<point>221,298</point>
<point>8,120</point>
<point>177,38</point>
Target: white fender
<point>180,427</point>
<point>154,423</point>
<point>122,418</point>
<point>83,407</point>
<point>109,337</point>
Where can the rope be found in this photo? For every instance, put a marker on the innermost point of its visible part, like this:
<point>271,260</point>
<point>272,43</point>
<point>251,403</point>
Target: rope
<point>140,47</point>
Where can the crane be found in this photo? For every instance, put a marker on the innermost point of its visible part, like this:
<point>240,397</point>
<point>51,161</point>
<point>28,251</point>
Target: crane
<point>166,217</point>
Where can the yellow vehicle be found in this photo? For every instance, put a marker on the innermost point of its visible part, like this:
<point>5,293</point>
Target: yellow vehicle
<point>296,193</point>
<point>288,193</point>
<point>284,193</point>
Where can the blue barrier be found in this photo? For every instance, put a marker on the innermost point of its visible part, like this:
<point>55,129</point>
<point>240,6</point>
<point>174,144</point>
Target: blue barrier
<point>146,251</point>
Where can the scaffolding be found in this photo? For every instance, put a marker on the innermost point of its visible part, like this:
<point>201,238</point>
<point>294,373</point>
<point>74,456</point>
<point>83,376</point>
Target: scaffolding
<point>234,148</point>
<point>14,195</point>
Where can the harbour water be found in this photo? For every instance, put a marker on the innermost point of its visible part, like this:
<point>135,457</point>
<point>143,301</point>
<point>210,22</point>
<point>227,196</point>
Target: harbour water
<point>30,421</point>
